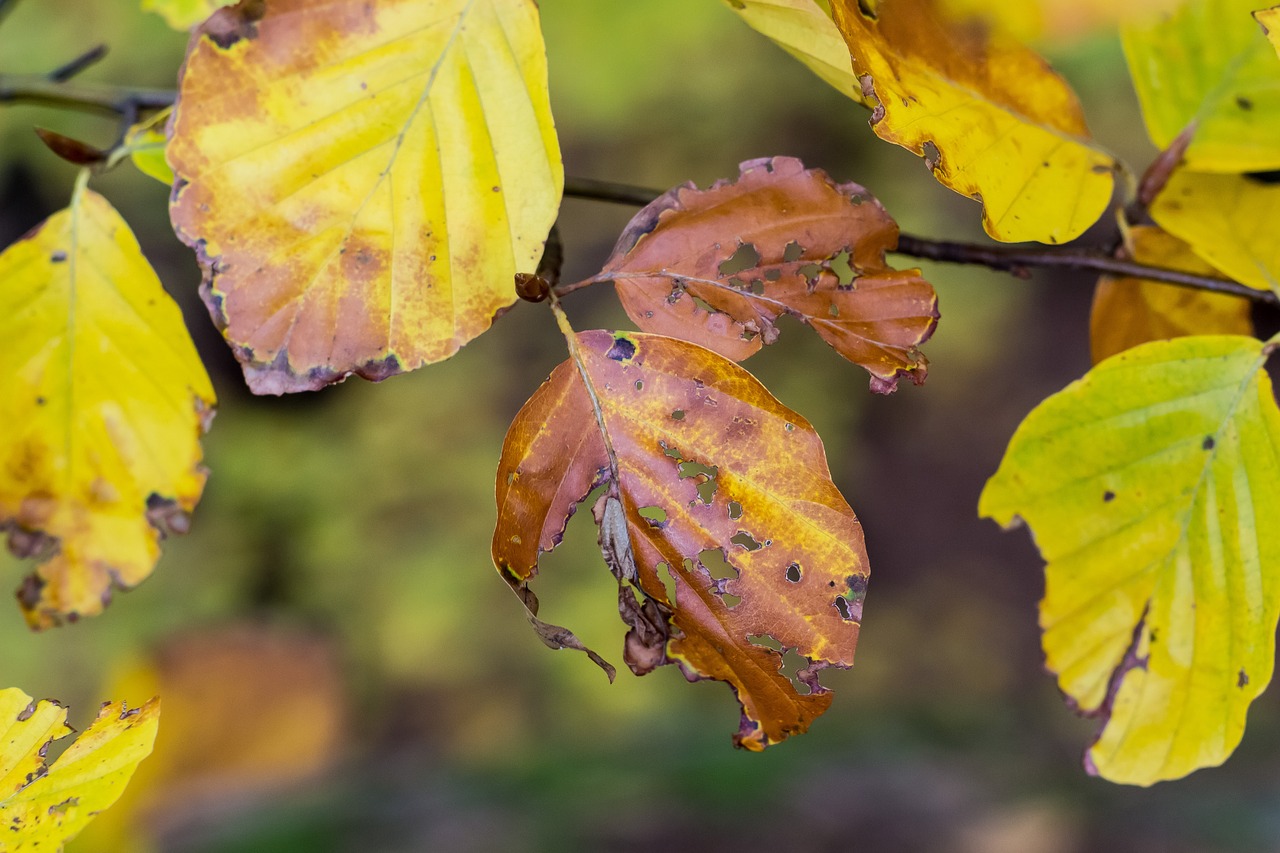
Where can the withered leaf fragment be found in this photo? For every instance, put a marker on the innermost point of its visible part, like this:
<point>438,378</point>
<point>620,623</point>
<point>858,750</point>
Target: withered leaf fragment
<point>719,267</point>
<point>722,493</point>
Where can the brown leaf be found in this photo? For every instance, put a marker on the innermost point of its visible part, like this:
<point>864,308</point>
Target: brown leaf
<point>723,511</point>
<point>719,267</point>
<point>1131,311</point>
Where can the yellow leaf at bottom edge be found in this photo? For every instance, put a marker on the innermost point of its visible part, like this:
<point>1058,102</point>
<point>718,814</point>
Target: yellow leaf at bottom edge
<point>102,402</point>
<point>1152,485</point>
<point>43,807</point>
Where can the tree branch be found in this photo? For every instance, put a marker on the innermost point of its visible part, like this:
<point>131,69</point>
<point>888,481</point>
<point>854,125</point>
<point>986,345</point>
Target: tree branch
<point>1019,261</point>
<point>87,97</point>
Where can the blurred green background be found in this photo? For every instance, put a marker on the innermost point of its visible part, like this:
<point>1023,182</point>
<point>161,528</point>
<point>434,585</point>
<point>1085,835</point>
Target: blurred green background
<point>335,597</point>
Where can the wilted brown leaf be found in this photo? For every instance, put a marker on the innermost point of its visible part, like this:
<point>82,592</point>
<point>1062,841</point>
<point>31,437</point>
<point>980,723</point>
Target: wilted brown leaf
<point>719,267</point>
<point>1131,311</point>
<point>723,516</point>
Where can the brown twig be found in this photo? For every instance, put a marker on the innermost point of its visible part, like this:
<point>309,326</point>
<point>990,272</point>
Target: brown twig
<point>88,97</point>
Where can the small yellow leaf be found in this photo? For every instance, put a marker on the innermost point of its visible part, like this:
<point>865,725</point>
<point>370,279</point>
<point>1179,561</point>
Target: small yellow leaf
<point>805,30</point>
<point>102,402</point>
<point>1269,19</point>
<point>991,118</point>
<point>1228,220</point>
<point>43,807</point>
<point>1207,63</point>
<point>363,180</point>
<point>1132,311</point>
<point>146,143</point>
<point>1152,486</point>
<point>184,14</point>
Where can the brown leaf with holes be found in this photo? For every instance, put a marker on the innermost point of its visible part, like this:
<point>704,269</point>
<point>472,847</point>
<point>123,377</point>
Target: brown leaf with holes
<point>1131,311</point>
<point>719,267</point>
<point>730,542</point>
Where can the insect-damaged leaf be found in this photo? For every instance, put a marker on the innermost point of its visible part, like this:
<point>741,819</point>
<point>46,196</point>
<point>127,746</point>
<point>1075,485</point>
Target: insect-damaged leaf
<point>102,403</point>
<point>723,493</point>
<point>1228,220</point>
<point>1208,64</point>
<point>720,266</point>
<point>1152,486</point>
<point>1131,311</point>
<point>804,29</point>
<point>991,118</point>
<point>43,807</point>
<point>363,180</point>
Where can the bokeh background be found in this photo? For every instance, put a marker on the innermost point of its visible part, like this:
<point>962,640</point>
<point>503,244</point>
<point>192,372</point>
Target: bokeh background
<point>342,669</point>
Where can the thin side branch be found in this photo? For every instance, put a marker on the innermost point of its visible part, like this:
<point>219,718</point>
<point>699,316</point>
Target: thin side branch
<point>86,97</point>
<point>1020,261</point>
<point>590,188</point>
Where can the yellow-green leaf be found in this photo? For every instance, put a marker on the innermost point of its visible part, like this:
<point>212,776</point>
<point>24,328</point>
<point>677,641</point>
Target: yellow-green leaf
<point>43,807</point>
<point>805,30</point>
<point>102,402</point>
<point>1207,63</point>
<point>1229,220</point>
<point>991,118</point>
<point>1132,311</point>
<point>146,143</point>
<point>363,180</point>
<point>184,14</point>
<point>1152,486</point>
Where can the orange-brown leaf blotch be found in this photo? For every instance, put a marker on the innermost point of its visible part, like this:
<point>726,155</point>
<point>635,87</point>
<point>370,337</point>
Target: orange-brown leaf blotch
<point>362,181</point>
<point>740,538</point>
<point>719,267</point>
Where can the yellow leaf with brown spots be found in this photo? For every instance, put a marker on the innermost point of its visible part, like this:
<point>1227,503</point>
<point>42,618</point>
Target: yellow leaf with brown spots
<point>722,519</point>
<point>363,180</point>
<point>1132,311</point>
<point>991,118</point>
<point>42,807</point>
<point>102,402</point>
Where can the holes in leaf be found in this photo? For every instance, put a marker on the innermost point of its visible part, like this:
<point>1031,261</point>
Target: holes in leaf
<point>773,273</point>
<point>668,579</point>
<point>790,427</point>
<point>713,560</point>
<point>704,305</point>
<point>794,667</point>
<point>833,310</point>
<point>932,156</point>
<point>744,259</point>
<point>655,515</point>
<point>706,476</point>
<point>622,350</point>
<point>735,510</point>
<point>764,641</point>
<point>793,252</point>
<point>757,286</point>
<point>677,415</point>
<point>843,606</point>
<point>843,269</point>
<point>670,452</point>
<point>810,271</point>
<point>746,540</point>
<point>730,600</point>
<point>793,573</point>
<point>867,8</point>
<point>639,384</point>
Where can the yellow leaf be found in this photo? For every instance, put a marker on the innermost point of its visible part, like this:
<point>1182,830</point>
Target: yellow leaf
<point>1152,486</point>
<point>1229,220</point>
<point>363,180</point>
<point>1132,311</point>
<point>1269,19</point>
<point>102,402</point>
<point>146,142</point>
<point>804,29</point>
<point>990,117</point>
<point>1208,64</point>
<point>43,807</point>
<point>184,14</point>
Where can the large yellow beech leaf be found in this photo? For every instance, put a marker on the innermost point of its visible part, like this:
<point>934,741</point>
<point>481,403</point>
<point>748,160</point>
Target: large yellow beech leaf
<point>42,807</point>
<point>991,118</point>
<point>1152,486</point>
<point>1228,220</point>
<point>362,180</point>
<point>722,517</point>
<point>102,403</point>
<point>1208,63</point>
<point>804,29</point>
<point>1132,311</point>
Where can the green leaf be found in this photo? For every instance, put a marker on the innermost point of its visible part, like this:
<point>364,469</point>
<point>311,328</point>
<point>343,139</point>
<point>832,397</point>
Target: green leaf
<point>1152,486</point>
<point>1209,63</point>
